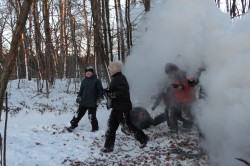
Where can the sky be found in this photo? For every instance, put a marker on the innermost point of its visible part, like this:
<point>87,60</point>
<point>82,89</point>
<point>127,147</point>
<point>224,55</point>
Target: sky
<point>193,34</point>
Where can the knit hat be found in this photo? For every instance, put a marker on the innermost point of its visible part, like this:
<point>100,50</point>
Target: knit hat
<point>170,67</point>
<point>89,68</point>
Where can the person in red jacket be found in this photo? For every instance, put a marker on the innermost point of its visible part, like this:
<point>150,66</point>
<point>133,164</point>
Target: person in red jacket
<point>178,95</point>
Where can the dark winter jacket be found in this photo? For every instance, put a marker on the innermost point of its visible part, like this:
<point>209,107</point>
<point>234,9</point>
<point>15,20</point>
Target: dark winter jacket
<point>91,90</point>
<point>120,88</point>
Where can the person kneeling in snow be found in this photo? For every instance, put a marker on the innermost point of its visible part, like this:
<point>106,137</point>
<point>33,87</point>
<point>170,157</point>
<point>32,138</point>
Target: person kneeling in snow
<point>118,92</point>
<point>89,96</point>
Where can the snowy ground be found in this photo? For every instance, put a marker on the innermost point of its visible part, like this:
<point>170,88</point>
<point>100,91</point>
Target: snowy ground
<point>36,135</point>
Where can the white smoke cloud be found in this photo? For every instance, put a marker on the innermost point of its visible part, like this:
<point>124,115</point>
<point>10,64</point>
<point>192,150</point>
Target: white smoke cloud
<point>192,33</point>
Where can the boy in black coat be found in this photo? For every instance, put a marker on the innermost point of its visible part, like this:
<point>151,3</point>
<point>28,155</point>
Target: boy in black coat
<point>118,92</point>
<point>89,97</point>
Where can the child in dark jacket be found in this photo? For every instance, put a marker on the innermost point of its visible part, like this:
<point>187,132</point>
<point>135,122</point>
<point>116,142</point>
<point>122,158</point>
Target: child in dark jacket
<point>89,96</point>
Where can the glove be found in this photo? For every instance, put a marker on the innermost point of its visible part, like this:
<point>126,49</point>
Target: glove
<point>98,101</point>
<point>177,86</point>
<point>153,108</point>
<point>78,99</point>
<point>112,95</point>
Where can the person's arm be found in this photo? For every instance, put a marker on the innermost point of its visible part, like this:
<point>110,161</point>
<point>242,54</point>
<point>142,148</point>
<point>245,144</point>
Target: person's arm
<point>81,90</point>
<point>157,100</point>
<point>100,91</point>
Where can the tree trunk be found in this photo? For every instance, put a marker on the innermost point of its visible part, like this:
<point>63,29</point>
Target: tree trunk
<point>63,37</point>
<point>49,67</point>
<point>121,27</point>
<point>39,55</point>
<point>110,40</point>
<point>129,27</point>
<point>14,48</point>
<point>118,31</point>
<point>146,5</point>
<point>98,36</point>
<point>87,30</point>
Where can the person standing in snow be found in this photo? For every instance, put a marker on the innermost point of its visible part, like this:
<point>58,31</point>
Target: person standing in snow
<point>89,96</point>
<point>178,96</point>
<point>118,92</point>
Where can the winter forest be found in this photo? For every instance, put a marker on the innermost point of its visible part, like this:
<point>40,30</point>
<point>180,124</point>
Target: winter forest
<point>45,46</point>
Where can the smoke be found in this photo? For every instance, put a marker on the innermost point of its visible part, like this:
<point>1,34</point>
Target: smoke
<point>191,34</point>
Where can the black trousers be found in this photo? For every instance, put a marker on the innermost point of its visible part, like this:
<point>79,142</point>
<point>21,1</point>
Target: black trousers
<point>91,115</point>
<point>116,118</point>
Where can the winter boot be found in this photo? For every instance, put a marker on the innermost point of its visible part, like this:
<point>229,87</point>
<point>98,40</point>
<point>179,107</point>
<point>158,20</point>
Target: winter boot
<point>144,143</point>
<point>70,129</point>
<point>125,130</point>
<point>94,130</point>
<point>107,149</point>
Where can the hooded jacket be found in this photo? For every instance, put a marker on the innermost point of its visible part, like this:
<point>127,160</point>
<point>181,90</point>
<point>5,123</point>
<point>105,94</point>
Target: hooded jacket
<point>91,90</point>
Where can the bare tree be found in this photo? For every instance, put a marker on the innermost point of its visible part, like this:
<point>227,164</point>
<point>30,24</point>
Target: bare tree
<point>4,77</point>
<point>129,27</point>
<point>49,68</point>
<point>38,40</point>
<point>87,30</point>
<point>100,55</point>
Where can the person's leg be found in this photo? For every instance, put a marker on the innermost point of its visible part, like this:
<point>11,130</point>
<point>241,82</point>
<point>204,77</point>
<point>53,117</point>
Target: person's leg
<point>186,116</point>
<point>80,113</point>
<point>167,115</point>
<point>112,126</point>
<point>138,133</point>
<point>173,124</point>
<point>159,119</point>
<point>140,117</point>
<point>93,119</point>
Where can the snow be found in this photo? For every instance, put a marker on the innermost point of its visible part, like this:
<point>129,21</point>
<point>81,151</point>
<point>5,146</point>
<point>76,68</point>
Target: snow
<point>36,134</point>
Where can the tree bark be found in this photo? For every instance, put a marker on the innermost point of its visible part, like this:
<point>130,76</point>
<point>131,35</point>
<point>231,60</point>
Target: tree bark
<point>63,37</point>
<point>48,48</point>
<point>98,36</point>
<point>87,30</point>
<point>39,55</point>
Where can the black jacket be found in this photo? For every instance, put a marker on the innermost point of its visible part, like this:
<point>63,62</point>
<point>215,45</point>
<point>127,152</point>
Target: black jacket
<point>119,86</point>
<point>91,90</point>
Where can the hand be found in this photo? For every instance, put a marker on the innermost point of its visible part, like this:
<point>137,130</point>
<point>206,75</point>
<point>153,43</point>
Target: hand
<point>177,86</point>
<point>98,101</point>
<point>78,99</point>
<point>111,95</point>
<point>153,108</point>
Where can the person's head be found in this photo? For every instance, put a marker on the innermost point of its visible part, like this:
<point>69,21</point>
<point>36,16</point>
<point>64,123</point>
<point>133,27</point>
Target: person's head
<point>115,67</point>
<point>89,71</point>
<point>171,68</point>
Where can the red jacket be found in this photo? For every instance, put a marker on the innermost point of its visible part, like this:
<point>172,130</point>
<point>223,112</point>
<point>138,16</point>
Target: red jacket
<point>185,95</point>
